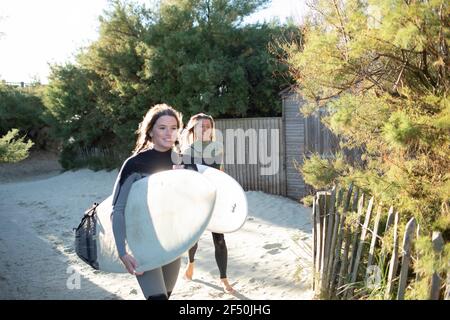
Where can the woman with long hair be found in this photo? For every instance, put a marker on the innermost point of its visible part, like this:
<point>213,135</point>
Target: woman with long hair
<point>199,147</point>
<point>154,152</point>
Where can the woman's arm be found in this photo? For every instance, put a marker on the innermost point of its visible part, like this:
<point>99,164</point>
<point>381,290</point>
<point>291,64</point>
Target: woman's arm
<point>120,196</point>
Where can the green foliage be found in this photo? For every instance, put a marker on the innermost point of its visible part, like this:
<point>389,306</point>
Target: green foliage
<point>429,261</point>
<point>399,130</point>
<point>380,68</point>
<point>12,148</point>
<point>322,173</point>
<point>308,200</point>
<point>193,54</point>
<point>22,108</point>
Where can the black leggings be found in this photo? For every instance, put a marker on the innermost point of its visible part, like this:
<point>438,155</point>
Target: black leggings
<point>157,284</point>
<point>221,253</point>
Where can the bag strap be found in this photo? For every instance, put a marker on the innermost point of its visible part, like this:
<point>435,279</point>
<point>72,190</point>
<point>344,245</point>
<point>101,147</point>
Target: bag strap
<point>91,211</point>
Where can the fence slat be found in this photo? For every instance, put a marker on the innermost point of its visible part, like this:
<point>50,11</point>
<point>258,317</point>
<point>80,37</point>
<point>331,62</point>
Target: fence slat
<point>314,237</point>
<point>438,246</point>
<point>394,261</point>
<point>418,257</point>
<point>447,287</point>
<point>406,257</point>
<point>318,243</point>
<point>374,236</point>
<point>342,273</point>
<point>340,239</point>
<point>324,199</point>
<point>328,252</point>
<point>390,218</point>
<point>334,216</point>
<point>361,242</point>
<point>356,233</point>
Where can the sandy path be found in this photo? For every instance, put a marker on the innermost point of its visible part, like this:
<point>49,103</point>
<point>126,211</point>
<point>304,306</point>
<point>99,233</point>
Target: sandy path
<point>269,258</point>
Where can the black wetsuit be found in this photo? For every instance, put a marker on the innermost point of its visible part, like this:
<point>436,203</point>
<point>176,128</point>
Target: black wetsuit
<point>157,283</point>
<point>211,159</point>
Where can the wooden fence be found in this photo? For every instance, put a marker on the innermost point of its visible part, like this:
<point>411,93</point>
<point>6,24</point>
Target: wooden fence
<point>348,257</point>
<point>17,84</point>
<point>254,153</point>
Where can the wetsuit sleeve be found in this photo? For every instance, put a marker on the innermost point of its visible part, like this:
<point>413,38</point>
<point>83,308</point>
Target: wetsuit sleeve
<point>120,196</point>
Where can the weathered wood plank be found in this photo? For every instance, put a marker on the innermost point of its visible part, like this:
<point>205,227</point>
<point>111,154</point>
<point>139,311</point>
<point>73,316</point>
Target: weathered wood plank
<point>435,286</point>
<point>344,264</point>
<point>374,236</point>
<point>390,218</point>
<point>314,238</point>
<point>356,233</point>
<point>361,243</point>
<point>318,242</point>
<point>406,257</point>
<point>394,261</point>
<point>331,239</point>
<point>323,200</point>
<point>336,283</point>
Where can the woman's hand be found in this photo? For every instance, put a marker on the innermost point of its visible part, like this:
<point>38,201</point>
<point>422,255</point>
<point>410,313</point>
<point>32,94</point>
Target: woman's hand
<point>131,264</point>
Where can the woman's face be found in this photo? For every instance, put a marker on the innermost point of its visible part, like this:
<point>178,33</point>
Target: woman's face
<point>203,130</point>
<point>164,133</point>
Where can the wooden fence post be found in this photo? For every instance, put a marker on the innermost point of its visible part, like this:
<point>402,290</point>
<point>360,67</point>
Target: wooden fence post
<point>320,220</point>
<point>329,250</point>
<point>359,208</point>
<point>354,244</point>
<point>314,249</point>
<point>324,203</point>
<point>382,263</point>
<point>335,217</point>
<point>374,236</point>
<point>347,238</point>
<point>438,246</point>
<point>390,219</point>
<point>406,257</point>
<point>340,239</point>
<point>361,244</point>
<point>394,261</point>
<point>447,287</point>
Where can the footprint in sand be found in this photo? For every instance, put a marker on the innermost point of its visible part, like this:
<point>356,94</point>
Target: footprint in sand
<point>274,251</point>
<point>276,247</point>
<point>272,246</point>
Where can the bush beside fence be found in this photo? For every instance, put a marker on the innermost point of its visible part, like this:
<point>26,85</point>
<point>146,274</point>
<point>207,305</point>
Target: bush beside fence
<point>350,260</point>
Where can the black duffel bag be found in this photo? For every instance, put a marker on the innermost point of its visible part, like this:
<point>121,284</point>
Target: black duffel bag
<point>85,237</point>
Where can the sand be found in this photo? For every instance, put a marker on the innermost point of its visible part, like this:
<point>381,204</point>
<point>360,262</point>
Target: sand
<point>269,258</point>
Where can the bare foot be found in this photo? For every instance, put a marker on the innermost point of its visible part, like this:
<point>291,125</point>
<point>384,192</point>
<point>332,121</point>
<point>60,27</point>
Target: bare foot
<point>226,286</point>
<point>189,271</point>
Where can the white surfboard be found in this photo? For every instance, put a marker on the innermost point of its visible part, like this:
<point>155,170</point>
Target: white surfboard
<point>230,208</point>
<point>165,215</point>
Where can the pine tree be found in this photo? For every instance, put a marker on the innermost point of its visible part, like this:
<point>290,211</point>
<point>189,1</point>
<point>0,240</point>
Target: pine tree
<point>381,69</point>
<point>12,148</point>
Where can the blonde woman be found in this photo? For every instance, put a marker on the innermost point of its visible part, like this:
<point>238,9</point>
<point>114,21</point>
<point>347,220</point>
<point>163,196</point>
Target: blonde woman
<point>199,147</point>
<point>154,151</point>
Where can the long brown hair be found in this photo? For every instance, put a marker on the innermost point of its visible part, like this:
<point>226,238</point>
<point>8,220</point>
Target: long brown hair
<point>144,141</point>
<point>187,137</point>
